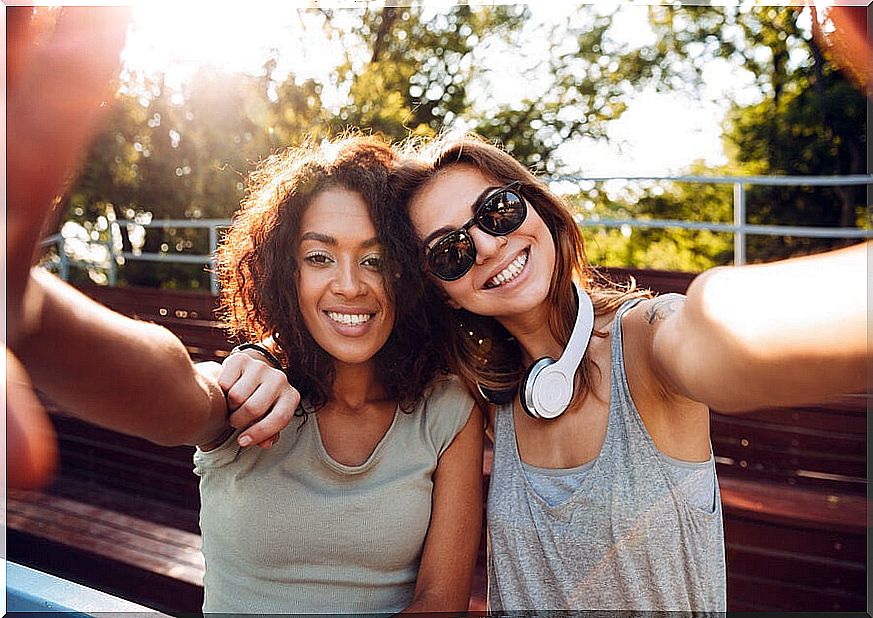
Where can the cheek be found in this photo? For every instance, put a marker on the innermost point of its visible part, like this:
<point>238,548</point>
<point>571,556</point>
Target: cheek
<point>307,295</point>
<point>449,290</point>
<point>536,228</point>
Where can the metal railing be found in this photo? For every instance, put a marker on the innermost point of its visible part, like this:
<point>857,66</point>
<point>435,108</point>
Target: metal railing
<point>739,228</point>
<point>208,259</point>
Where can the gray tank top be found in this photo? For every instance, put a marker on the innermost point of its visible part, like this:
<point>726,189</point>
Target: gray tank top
<point>627,538</point>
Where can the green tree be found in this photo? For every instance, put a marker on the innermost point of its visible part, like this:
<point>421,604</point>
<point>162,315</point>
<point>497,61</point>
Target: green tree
<point>810,120</point>
<point>413,65</point>
<point>170,153</point>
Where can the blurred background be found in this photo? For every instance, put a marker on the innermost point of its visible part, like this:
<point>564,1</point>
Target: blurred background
<point>684,137</point>
<point>580,93</point>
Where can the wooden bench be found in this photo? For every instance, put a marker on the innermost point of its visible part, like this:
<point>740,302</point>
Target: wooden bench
<point>122,516</point>
<point>793,486</point>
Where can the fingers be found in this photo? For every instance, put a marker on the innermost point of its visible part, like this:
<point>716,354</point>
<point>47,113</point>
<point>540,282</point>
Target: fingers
<point>31,451</point>
<point>265,432</point>
<point>61,64</point>
<point>58,95</point>
<point>242,375</point>
<point>259,398</point>
<point>231,370</point>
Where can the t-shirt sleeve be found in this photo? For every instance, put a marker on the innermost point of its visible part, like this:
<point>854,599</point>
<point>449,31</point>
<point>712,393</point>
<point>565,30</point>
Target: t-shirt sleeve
<point>446,409</point>
<point>221,455</point>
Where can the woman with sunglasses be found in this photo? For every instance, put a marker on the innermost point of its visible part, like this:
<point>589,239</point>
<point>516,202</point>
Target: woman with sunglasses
<point>603,490</point>
<point>371,500</point>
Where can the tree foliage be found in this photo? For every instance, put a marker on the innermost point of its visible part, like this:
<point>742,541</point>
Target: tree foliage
<point>183,152</point>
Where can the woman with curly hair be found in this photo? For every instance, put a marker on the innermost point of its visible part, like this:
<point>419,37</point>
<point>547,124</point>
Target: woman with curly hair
<point>371,500</point>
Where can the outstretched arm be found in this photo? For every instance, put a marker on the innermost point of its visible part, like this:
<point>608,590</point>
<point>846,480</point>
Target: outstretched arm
<point>785,333</point>
<point>130,376</point>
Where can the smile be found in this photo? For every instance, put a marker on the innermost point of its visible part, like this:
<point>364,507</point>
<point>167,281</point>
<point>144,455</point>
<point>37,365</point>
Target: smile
<point>349,319</point>
<point>509,273</point>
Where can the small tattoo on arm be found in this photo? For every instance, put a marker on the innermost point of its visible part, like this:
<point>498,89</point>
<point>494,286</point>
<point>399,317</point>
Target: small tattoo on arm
<point>663,306</point>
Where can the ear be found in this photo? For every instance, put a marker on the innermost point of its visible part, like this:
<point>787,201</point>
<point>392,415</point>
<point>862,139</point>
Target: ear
<point>451,303</point>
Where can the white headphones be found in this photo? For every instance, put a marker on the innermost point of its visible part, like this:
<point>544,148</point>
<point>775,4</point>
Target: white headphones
<point>547,386</point>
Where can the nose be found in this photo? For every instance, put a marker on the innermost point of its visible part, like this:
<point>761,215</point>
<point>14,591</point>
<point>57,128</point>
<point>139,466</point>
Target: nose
<point>347,281</point>
<point>487,246</point>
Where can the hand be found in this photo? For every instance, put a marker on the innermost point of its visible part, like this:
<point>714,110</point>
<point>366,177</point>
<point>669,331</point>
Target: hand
<point>259,398</point>
<point>60,67</point>
<point>31,449</point>
<point>61,63</point>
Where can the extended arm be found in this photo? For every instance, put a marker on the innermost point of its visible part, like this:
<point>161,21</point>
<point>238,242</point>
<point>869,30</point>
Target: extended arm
<point>785,333</point>
<point>130,376</point>
<point>449,555</point>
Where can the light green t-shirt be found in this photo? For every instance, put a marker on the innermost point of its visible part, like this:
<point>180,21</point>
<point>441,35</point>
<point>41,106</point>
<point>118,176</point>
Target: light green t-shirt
<point>290,530</point>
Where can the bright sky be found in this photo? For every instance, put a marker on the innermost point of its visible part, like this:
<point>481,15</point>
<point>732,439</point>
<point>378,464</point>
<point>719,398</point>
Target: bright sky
<point>658,134</point>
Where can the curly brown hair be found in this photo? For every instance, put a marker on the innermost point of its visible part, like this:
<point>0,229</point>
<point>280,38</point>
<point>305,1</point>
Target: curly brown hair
<point>481,351</point>
<point>258,270</point>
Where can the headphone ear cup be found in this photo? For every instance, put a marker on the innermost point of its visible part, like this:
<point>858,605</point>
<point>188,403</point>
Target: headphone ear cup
<point>528,386</point>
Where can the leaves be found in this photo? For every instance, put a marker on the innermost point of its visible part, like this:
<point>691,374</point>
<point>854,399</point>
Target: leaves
<point>534,85</point>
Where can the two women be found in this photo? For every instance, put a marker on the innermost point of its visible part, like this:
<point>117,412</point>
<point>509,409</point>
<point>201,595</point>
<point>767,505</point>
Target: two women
<point>606,497</point>
<point>371,501</point>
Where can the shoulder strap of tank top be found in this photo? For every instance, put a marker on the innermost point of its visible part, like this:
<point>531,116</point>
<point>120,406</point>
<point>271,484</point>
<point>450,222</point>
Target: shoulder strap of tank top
<point>503,426</point>
<point>616,326</point>
<point>619,375</point>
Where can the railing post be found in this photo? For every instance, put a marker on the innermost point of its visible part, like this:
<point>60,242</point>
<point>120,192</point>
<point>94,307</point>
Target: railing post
<point>113,265</point>
<point>213,247</point>
<point>740,224</point>
<point>65,261</point>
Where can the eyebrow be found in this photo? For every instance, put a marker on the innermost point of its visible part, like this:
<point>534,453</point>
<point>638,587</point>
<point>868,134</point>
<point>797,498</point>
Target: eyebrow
<point>448,228</point>
<point>330,240</point>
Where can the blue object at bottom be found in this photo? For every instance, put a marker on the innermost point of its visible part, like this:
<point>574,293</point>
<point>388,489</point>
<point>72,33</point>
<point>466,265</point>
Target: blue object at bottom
<point>29,590</point>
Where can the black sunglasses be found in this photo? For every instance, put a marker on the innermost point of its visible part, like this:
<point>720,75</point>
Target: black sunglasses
<point>498,213</point>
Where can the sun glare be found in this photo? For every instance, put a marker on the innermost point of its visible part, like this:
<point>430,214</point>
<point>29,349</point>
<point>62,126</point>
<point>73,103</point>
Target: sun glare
<point>179,39</point>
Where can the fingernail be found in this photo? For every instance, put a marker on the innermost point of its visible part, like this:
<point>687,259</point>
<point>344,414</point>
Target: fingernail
<point>244,440</point>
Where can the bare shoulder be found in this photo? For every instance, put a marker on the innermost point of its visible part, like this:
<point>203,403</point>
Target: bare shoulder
<point>652,329</point>
<point>659,309</point>
<point>678,425</point>
<point>648,320</point>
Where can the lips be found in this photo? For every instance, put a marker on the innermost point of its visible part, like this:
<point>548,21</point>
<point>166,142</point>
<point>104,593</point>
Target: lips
<point>510,271</point>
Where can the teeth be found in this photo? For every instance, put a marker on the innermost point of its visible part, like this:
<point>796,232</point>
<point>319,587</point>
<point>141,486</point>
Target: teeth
<point>509,273</point>
<point>349,319</point>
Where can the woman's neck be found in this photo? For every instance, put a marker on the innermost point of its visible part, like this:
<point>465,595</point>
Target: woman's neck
<point>531,331</point>
<point>356,386</point>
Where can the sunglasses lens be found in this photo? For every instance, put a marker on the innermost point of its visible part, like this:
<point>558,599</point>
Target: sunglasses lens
<point>452,256</point>
<point>502,213</point>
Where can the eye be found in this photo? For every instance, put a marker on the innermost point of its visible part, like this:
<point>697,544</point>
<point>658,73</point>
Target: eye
<point>317,258</point>
<point>374,261</point>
